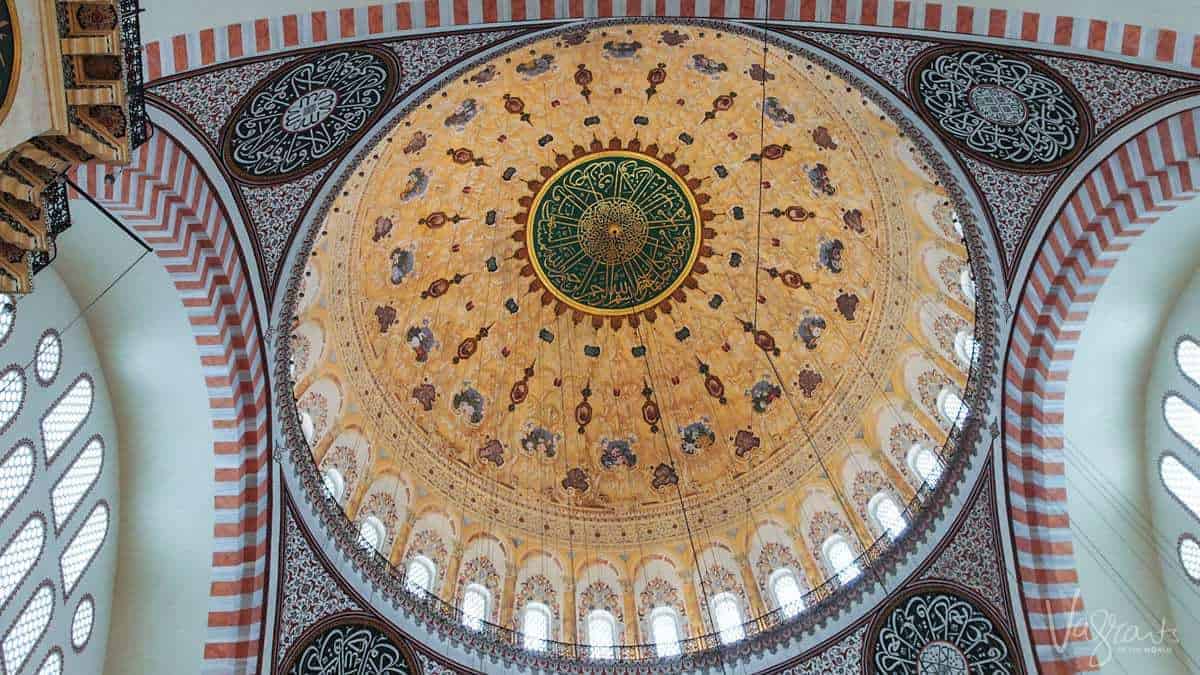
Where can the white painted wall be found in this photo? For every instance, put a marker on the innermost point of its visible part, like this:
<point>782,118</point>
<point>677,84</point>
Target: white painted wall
<point>164,19</point>
<point>51,306</point>
<point>1170,518</point>
<point>1109,475</point>
<point>145,346</point>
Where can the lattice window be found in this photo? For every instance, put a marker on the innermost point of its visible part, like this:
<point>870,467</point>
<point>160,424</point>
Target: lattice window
<point>77,480</point>
<point>1182,483</point>
<point>887,514</point>
<point>728,618</point>
<point>371,533</point>
<point>12,395</point>
<point>1187,355</point>
<point>48,357</point>
<point>664,627</point>
<point>967,283</point>
<point>28,629</point>
<point>81,623</point>
<point>951,406</point>
<point>602,634</point>
<point>83,547</point>
<point>66,416</point>
<point>964,347</point>
<point>53,665</point>
<point>15,472</point>
<point>1183,419</point>
<point>925,464</point>
<point>1189,556</point>
<point>535,626</point>
<point>21,555</point>
<point>418,579</point>
<point>335,484</point>
<point>786,589</point>
<point>475,603</point>
<point>840,557</point>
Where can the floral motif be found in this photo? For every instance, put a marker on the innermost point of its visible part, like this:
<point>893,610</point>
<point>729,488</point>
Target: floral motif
<point>697,436</point>
<point>599,595</point>
<point>308,592</point>
<point>970,558</point>
<point>775,556</point>
<point>317,407</point>
<point>929,384</point>
<point>901,438</point>
<point>540,441</point>
<point>480,570</point>
<point>301,350</point>
<point>537,588</point>
<point>658,592</point>
<point>867,484</point>
<point>342,458</point>
<point>945,328</point>
<point>1000,107</point>
<point>382,506</point>
<point>431,545</point>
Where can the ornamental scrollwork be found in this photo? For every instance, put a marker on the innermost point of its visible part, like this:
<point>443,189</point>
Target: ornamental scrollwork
<point>937,631</point>
<point>354,648</point>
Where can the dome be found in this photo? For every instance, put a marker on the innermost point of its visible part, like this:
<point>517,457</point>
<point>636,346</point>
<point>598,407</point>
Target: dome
<point>575,335</point>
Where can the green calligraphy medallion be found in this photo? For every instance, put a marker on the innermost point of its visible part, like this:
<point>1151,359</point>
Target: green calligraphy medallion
<point>613,233</point>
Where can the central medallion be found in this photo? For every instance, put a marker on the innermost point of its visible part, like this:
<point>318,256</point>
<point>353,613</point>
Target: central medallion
<point>614,232</point>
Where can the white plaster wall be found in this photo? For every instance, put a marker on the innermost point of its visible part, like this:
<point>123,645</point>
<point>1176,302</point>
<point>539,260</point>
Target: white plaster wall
<point>164,19</point>
<point>1170,518</point>
<point>51,306</point>
<point>159,621</point>
<point>1109,476</point>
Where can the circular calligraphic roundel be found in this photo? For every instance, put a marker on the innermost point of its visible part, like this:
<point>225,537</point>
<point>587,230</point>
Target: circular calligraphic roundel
<point>1000,107</point>
<point>349,644</point>
<point>308,113</point>
<point>10,56</point>
<point>613,232</point>
<point>938,630</point>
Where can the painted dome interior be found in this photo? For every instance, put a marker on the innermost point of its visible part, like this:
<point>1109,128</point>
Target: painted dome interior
<point>634,315</point>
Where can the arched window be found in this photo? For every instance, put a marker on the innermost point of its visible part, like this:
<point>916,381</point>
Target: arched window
<point>728,618</point>
<point>1187,355</point>
<point>476,602</point>
<point>335,484</point>
<point>535,626</point>
<point>951,406</point>
<point>602,634</point>
<point>75,483</point>
<point>1183,419</point>
<point>957,222</point>
<point>967,283</point>
<point>306,426</point>
<point>840,557</point>
<point>924,464</point>
<point>371,533</point>
<point>12,395</point>
<point>21,555</point>
<point>83,547</point>
<point>1181,482</point>
<point>64,418</point>
<point>28,629</point>
<point>664,630</point>
<point>887,514</point>
<point>418,578</point>
<point>1189,556</point>
<point>786,589</point>
<point>81,623</point>
<point>964,347</point>
<point>53,665</point>
<point>48,357</point>
<point>15,472</point>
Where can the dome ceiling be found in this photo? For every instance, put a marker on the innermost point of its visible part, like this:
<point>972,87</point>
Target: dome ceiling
<point>603,276</point>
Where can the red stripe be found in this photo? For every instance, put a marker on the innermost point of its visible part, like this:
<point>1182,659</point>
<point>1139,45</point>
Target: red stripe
<point>1165,51</point>
<point>933,16</point>
<point>375,19</point>
<point>262,35</point>
<point>207,47</point>
<point>291,30</point>
<point>997,20</point>
<point>964,19</point>
<point>837,11</point>
<point>808,10</point>
<point>1131,39</point>
<point>404,15</point>
<point>870,12</point>
<point>490,15</point>
<point>900,13</point>
<point>432,14</point>
<point>1097,32</point>
<point>1064,28</point>
<point>153,61</point>
<point>179,52</point>
<point>1029,26</point>
<point>346,23</point>
<point>233,36</point>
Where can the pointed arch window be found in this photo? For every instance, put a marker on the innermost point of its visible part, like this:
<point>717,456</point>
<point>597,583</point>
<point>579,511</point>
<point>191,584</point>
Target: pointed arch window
<point>335,484</point>
<point>840,557</point>
<point>64,419</point>
<point>419,576</point>
<point>12,395</point>
<point>75,483</point>
<point>951,406</point>
<point>1187,355</point>
<point>21,555</point>
<point>476,602</point>
<point>1181,482</point>
<point>664,630</point>
<point>83,547</point>
<point>786,589</point>
<point>924,464</point>
<point>602,634</point>
<point>1183,419</point>
<point>535,626</point>
<point>887,514</point>
<point>28,629</point>
<point>371,533</point>
<point>15,473</point>
<point>728,618</point>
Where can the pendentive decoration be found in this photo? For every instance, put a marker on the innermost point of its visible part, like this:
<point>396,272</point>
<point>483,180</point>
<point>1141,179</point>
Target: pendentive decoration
<point>10,56</point>
<point>613,231</point>
<point>349,644</point>
<point>936,628</point>
<point>308,113</point>
<point>1000,107</point>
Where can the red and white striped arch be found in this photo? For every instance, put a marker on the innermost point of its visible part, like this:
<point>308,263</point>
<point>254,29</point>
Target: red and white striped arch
<point>1126,193</point>
<point>216,45</point>
<point>166,198</point>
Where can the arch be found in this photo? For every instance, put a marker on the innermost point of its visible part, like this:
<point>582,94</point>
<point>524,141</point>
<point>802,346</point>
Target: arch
<point>429,539</point>
<point>772,551</point>
<point>941,326</point>
<point>598,588</point>
<point>540,582</point>
<point>1117,201</point>
<point>657,584</point>
<point>387,500</point>
<point>308,346</point>
<point>484,563</point>
<point>718,575</point>
<point>945,268</point>
<point>322,401</point>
